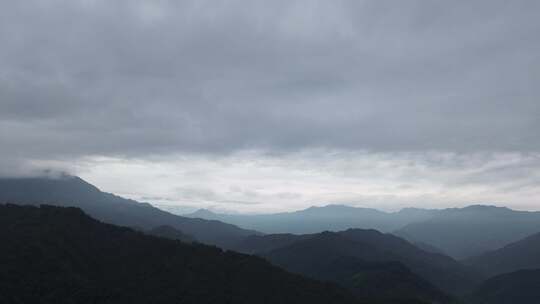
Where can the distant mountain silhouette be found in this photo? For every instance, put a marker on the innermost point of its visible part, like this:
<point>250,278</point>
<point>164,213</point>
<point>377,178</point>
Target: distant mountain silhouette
<point>473,230</point>
<point>458,232</point>
<point>521,287</point>
<point>523,254</point>
<point>73,191</point>
<point>60,255</point>
<point>170,233</point>
<point>318,219</point>
<point>311,255</point>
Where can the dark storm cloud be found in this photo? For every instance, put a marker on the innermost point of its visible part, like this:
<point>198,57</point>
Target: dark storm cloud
<point>135,78</point>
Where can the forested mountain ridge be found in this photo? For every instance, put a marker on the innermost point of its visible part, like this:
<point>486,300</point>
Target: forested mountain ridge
<point>365,269</point>
<point>298,253</point>
<point>60,255</point>
<point>523,254</point>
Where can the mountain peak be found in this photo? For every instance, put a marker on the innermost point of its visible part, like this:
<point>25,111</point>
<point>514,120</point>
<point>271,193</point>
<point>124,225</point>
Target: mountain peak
<point>481,207</point>
<point>202,212</point>
<point>330,206</point>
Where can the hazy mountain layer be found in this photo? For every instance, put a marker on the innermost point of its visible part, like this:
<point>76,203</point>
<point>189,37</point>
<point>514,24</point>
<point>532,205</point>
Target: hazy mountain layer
<point>458,232</point>
<point>318,219</point>
<point>470,231</point>
<point>523,254</point>
<point>73,191</point>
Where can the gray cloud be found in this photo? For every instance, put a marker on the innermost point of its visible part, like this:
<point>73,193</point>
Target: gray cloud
<point>135,78</point>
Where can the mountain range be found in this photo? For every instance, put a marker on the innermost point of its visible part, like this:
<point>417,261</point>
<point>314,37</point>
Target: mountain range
<point>318,219</point>
<point>48,247</point>
<point>466,232</point>
<point>458,232</point>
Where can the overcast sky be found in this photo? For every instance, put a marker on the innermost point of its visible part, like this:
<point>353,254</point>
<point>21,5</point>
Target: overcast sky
<point>260,106</point>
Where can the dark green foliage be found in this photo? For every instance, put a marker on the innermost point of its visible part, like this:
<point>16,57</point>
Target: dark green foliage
<point>60,255</point>
<point>521,287</point>
<point>109,208</point>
